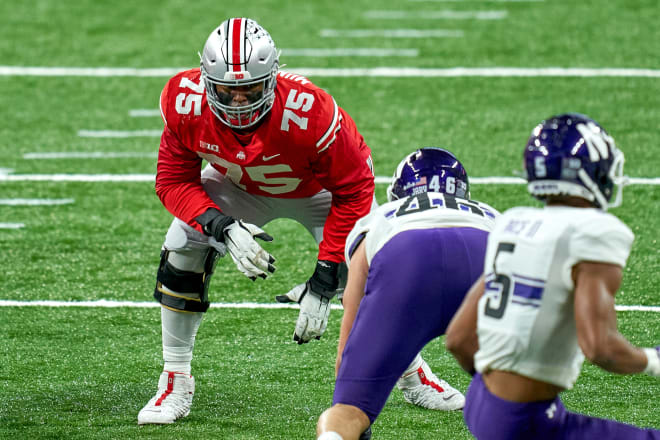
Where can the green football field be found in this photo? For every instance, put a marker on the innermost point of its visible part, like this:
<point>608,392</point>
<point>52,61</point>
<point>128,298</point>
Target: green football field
<point>80,221</point>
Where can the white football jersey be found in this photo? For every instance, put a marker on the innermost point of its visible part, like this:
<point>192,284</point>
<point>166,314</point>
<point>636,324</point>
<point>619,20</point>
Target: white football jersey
<point>526,321</point>
<point>422,211</point>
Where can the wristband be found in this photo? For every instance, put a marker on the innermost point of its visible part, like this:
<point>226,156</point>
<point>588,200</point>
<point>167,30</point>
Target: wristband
<point>214,222</point>
<point>653,363</point>
<point>325,280</point>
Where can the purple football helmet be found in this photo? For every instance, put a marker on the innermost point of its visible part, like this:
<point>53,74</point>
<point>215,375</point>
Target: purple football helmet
<point>571,154</point>
<point>429,169</point>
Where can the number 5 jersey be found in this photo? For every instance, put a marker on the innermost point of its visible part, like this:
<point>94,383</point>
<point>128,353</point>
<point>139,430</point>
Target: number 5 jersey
<point>526,319</point>
<point>305,144</point>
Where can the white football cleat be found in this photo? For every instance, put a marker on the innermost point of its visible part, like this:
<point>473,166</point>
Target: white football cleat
<point>171,402</point>
<point>423,388</point>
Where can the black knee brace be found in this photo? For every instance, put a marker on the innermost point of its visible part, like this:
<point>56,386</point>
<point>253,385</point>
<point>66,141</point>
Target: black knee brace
<point>184,282</point>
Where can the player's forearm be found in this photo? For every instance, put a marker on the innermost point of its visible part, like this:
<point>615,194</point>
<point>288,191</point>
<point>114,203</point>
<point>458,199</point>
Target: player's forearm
<point>350,310</point>
<point>353,294</point>
<point>185,201</point>
<point>338,225</point>
<point>617,355</point>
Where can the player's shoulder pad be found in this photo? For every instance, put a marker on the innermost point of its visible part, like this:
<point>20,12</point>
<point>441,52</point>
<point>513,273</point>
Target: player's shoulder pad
<point>599,223</point>
<point>600,236</point>
<point>182,98</point>
<point>308,110</point>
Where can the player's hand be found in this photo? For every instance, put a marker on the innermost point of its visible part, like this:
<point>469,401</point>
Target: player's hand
<point>653,365</point>
<point>314,298</point>
<point>239,239</point>
<point>250,258</point>
<point>314,312</point>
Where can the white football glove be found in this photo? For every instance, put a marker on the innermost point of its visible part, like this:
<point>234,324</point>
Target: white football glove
<point>653,364</point>
<point>250,258</point>
<point>227,234</point>
<point>314,312</point>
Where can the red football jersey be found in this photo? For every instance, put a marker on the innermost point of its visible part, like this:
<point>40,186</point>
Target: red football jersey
<point>305,143</point>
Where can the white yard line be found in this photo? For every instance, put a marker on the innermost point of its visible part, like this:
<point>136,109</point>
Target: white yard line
<point>350,52</point>
<point>390,33</point>
<point>407,72</point>
<point>35,202</point>
<point>161,72</point>
<point>119,133</point>
<point>12,225</point>
<point>393,72</point>
<point>504,180</point>
<point>103,303</point>
<point>495,180</point>
<point>77,177</point>
<point>143,113</point>
<point>436,15</point>
<point>89,155</point>
<point>480,1</point>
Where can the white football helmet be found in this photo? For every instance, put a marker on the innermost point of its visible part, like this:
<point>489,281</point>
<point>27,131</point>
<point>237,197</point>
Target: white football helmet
<point>240,55</point>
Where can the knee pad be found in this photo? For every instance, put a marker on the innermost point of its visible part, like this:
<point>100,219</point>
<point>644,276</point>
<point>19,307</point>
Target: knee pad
<point>194,284</point>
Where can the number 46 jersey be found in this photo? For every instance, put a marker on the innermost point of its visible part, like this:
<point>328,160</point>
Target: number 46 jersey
<point>526,319</point>
<point>421,211</point>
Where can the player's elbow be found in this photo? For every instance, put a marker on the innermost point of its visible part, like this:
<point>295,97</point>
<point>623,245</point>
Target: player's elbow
<point>161,192</point>
<point>461,348</point>
<point>604,359</point>
<point>453,342</point>
<point>460,339</point>
<point>599,353</point>
<point>459,351</point>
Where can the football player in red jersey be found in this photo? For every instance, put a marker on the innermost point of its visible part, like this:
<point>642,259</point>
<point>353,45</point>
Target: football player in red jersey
<point>277,146</point>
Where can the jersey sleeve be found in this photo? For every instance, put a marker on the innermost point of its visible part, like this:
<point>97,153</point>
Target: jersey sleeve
<point>342,165</point>
<point>178,182</point>
<point>602,240</point>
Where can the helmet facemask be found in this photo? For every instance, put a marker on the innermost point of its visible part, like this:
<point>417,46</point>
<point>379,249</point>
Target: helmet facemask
<point>260,94</point>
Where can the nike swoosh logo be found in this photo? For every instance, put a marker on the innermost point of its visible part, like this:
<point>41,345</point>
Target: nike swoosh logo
<point>267,158</point>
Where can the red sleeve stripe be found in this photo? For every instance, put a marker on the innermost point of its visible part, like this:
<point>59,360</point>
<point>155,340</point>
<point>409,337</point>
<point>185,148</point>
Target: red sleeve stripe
<point>331,128</point>
<point>334,136</point>
<point>236,35</point>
